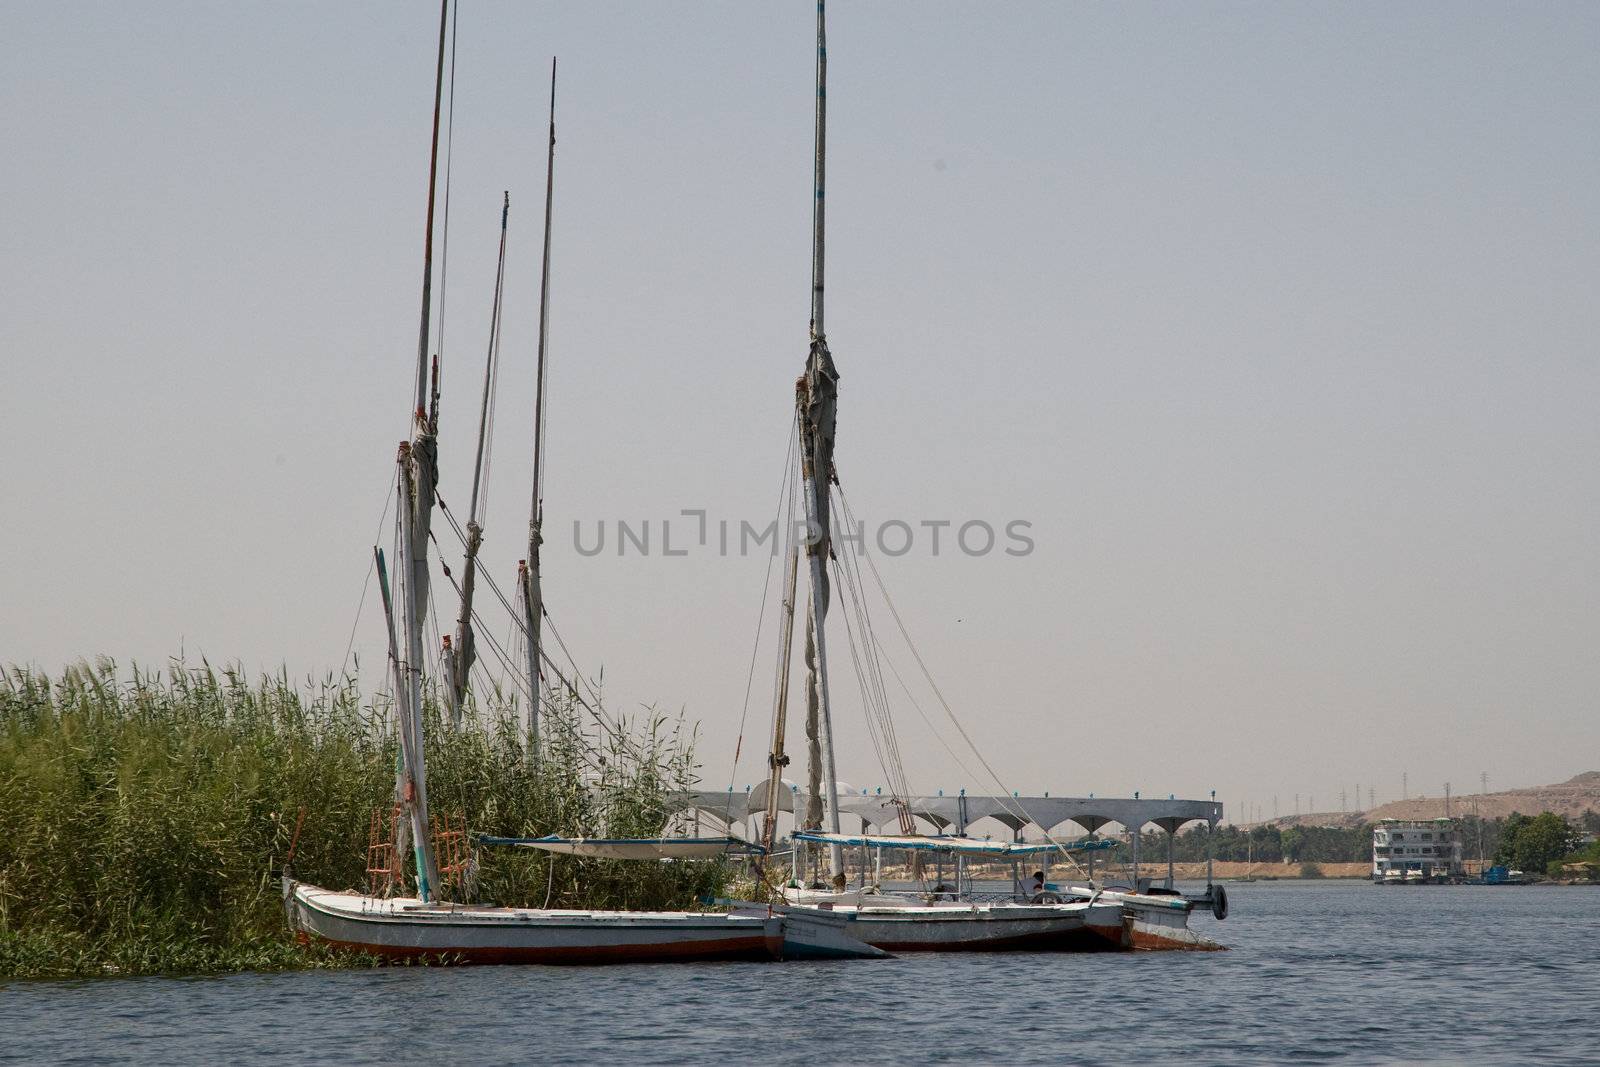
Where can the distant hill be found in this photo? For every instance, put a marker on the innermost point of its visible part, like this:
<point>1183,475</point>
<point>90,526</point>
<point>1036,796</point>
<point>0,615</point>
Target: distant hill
<point>1571,798</point>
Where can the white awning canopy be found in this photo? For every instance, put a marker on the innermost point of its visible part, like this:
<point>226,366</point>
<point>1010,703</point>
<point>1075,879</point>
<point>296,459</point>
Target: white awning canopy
<point>964,845</point>
<point>632,848</point>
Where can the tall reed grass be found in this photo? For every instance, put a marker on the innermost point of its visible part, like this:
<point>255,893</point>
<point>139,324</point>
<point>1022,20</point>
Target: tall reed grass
<point>144,815</point>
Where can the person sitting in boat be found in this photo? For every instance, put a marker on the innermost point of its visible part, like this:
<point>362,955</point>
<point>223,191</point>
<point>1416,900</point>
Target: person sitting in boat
<point>1041,892</point>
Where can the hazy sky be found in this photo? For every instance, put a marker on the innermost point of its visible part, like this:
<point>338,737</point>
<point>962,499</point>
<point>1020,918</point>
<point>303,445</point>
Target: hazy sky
<point>1277,322</point>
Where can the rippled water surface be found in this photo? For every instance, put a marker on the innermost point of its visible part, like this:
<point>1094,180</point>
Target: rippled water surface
<point>1321,973</point>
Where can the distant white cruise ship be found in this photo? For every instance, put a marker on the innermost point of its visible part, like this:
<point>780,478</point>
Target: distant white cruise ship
<point>1416,852</point>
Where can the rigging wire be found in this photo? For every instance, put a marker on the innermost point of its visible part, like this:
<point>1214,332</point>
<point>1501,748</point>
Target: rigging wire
<point>435,655</point>
<point>372,566</point>
<point>518,626</point>
<point>874,700</point>
<point>504,657</point>
<point>873,731</point>
<point>791,551</point>
<point>571,661</point>
<point>478,506</point>
<point>488,433</point>
<point>1004,795</point>
<point>785,509</point>
<point>954,755</point>
<point>875,694</point>
<point>596,710</point>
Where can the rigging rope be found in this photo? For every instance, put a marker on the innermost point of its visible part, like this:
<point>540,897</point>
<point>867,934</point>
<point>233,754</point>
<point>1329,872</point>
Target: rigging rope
<point>873,728</point>
<point>596,710</point>
<point>875,694</point>
<point>576,673</point>
<point>1004,795</point>
<point>504,657</point>
<point>954,755</point>
<point>372,566</point>
<point>520,627</point>
<point>435,655</point>
<point>488,434</point>
<point>874,702</point>
<point>478,506</point>
<point>785,501</point>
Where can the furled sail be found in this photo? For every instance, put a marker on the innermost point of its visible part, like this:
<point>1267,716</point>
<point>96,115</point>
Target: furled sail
<point>967,846</point>
<point>633,848</point>
<point>817,397</point>
<point>818,401</point>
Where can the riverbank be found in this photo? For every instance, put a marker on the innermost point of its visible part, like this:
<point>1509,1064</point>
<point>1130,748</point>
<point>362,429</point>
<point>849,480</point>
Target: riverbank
<point>146,814</point>
<point>1237,871</point>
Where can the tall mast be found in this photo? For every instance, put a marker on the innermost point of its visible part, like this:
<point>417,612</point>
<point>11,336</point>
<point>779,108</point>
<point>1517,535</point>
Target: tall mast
<point>458,660</point>
<point>817,399</point>
<point>819,175</point>
<point>418,463</point>
<point>427,240</point>
<point>406,786</point>
<point>777,760</point>
<point>532,593</point>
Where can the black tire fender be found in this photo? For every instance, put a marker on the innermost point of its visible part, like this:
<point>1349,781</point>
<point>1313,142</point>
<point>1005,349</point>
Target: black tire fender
<point>1219,902</point>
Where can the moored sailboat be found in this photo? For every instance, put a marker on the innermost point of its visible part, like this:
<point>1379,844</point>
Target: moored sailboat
<point>425,925</point>
<point>898,922</point>
<point>895,922</point>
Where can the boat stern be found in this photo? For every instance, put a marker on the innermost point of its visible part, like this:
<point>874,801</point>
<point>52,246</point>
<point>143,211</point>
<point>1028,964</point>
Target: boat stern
<point>814,934</point>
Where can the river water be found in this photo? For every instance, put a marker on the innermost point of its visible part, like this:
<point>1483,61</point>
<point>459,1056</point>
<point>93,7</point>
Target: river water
<point>1318,973</point>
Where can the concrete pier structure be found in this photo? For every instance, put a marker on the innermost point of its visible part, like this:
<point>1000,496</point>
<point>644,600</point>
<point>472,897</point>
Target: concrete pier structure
<point>952,813</point>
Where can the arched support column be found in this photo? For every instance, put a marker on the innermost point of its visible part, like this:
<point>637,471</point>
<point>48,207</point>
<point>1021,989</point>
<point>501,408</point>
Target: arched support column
<point>1170,824</point>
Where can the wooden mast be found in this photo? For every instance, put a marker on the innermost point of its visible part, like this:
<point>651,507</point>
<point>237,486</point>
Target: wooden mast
<point>409,756</point>
<point>532,593</point>
<point>777,759</point>
<point>818,398</point>
<point>458,659</point>
<point>418,463</point>
<point>427,241</point>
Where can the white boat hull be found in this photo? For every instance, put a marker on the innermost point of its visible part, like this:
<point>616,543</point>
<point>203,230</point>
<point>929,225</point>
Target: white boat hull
<point>1156,922</point>
<point>897,924</point>
<point>406,928</point>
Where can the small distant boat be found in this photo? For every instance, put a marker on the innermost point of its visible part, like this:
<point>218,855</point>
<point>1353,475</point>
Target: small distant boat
<point>1501,875</point>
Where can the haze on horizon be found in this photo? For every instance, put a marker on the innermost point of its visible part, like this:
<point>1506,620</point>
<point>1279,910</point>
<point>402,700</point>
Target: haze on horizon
<point>1277,324</point>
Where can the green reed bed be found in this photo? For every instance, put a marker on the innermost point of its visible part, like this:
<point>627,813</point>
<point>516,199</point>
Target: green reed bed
<point>144,816</point>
